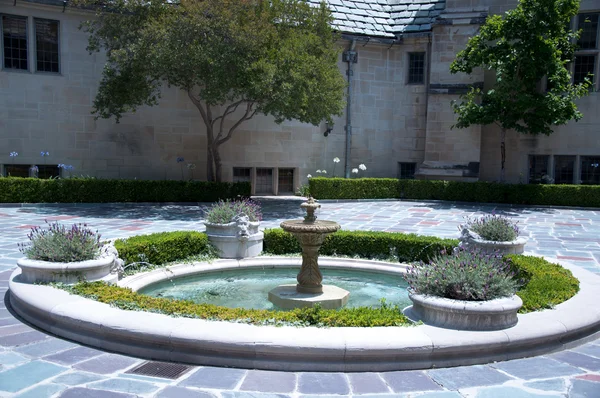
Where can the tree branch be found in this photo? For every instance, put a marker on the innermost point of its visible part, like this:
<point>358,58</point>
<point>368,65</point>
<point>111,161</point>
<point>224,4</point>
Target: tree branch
<point>247,116</point>
<point>230,109</point>
<point>198,104</point>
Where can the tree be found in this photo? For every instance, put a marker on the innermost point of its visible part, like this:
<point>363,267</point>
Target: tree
<point>234,58</point>
<point>531,43</point>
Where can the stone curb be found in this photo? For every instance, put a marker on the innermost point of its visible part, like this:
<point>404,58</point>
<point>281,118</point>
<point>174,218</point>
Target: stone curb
<point>349,349</point>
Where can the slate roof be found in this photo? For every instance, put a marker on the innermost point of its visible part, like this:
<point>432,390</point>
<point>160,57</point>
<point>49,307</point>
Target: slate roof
<point>383,18</point>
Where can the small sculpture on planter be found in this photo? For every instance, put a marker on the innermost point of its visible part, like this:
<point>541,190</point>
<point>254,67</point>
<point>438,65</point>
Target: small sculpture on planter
<point>492,234</point>
<point>232,227</point>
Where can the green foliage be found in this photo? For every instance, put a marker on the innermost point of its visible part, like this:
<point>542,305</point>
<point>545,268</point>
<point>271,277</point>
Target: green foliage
<point>59,244</point>
<point>523,47</point>
<point>386,315</point>
<point>92,190</point>
<point>162,247</point>
<point>464,275</point>
<point>223,212</point>
<point>482,192</point>
<point>356,188</point>
<point>546,284</point>
<point>275,57</point>
<point>364,244</point>
<point>494,227</point>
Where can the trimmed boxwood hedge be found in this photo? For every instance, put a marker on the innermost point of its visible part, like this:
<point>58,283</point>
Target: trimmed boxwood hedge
<point>92,190</point>
<point>482,192</point>
<point>162,247</point>
<point>124,298</point>
<point>365,244</point>
<point>546,284</point>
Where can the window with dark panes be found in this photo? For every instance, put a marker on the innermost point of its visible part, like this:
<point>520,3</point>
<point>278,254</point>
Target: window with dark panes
<point>564,167</point>
<point>14,42</point>
<point>16,170</point>
<point>588,48</point>
<point>416,68</point>
<point>406,171</point>
<point>46,46</point>
<point>590,170</point>
<point>264,181</point>
<point>538,168</point>
<point>286,180</point>
<point>242,174</point>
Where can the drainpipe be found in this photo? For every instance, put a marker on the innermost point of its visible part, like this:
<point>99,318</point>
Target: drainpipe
<point>350,56</point>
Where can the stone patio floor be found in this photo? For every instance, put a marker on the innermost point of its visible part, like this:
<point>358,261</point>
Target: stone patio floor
<point>36,364</point>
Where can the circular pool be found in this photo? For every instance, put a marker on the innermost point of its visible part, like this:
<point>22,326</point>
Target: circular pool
<point>248,288</point>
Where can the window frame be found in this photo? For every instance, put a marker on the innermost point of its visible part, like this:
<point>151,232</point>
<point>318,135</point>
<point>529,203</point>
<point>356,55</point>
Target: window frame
<point>2,49</point>
<point>35,45</point>
<point>409,164</point>
<point>408,69</point>
<point>595,52</point>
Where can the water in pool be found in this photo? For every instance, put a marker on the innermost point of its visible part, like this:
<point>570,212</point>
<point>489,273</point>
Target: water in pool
<point>249,288</point>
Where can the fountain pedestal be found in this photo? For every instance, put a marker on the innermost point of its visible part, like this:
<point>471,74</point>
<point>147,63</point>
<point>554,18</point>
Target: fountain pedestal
<point>309,290</point>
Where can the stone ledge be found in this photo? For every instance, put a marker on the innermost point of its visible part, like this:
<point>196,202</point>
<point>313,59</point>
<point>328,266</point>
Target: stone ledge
<point>305,349</point>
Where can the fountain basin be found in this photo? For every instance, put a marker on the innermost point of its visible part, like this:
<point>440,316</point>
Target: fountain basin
<point>349,349</point>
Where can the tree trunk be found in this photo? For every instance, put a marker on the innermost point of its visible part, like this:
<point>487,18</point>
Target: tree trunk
<point>502,153</point>
<point>217,162</point>
<point>210,174</point>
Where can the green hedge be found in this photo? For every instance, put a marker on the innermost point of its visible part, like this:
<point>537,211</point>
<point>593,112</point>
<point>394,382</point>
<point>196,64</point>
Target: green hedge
<point>382,245</point>
<point>482,192</point>
<point>386,315</point>
<point>92,190</point>
<point>546,284</point>
<point>162,247</point>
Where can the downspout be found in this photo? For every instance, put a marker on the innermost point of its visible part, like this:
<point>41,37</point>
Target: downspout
<point>349,56</point>
<point>428,74</point>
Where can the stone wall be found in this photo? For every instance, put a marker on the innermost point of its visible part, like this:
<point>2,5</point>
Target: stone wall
<point>49,112</point>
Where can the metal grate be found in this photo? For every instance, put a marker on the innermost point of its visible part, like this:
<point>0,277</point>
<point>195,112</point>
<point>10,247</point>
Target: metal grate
<point>165,370</point>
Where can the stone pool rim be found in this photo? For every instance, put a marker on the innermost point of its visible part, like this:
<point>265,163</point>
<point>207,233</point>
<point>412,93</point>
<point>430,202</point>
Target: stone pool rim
<point>346,349</point>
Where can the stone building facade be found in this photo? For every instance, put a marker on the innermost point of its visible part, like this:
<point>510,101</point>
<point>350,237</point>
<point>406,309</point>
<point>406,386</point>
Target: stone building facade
<point>400,118</point>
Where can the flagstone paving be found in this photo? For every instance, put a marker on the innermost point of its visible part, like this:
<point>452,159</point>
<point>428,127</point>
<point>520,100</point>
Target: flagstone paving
<point>36,364</point>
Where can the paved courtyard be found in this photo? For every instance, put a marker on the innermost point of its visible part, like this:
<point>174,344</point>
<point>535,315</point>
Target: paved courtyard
<point>35,364</point>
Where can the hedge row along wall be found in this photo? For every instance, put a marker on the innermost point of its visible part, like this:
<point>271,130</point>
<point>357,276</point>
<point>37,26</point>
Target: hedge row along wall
<point>91,190</point>
<point>483,192</point>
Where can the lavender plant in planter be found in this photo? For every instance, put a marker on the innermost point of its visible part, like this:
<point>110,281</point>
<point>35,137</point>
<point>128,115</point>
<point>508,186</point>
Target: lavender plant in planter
<point>465,290</point>
<point>67,255</point>
<point>232,227</point>
<point>492,234</point>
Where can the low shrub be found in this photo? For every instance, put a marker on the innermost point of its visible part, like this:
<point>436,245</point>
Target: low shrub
<point>224,211</point>
<point>386,315</point>
<point>463,275</point>
<point>545,284</point>
<point>365,244</point>
<point>57,243</point>
<point>163,247</point>
<point>494,227</point>
<point>482,192</point>
<point>92,190</point>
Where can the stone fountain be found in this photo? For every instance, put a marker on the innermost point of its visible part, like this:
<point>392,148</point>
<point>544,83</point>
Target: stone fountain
<point>309,290</point>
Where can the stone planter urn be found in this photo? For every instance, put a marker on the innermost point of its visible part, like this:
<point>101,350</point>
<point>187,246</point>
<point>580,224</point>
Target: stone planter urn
<point>469,239</point>
<point>237,239</point>
<point>446,313</point>
<point>107,267</point>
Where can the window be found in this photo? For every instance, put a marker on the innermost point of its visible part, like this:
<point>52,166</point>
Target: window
<point>538,169</point>
<point>46,45</point>
<point>564,167</point>
<point>416,68</point>
<point>16,170</point>
<point>14,42</point>
<point>264,181</point>
<point>590,170</point>
<point>286,180</point>
<point>586,57</point>
<point>241,174</point>
<point>406,171</point>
